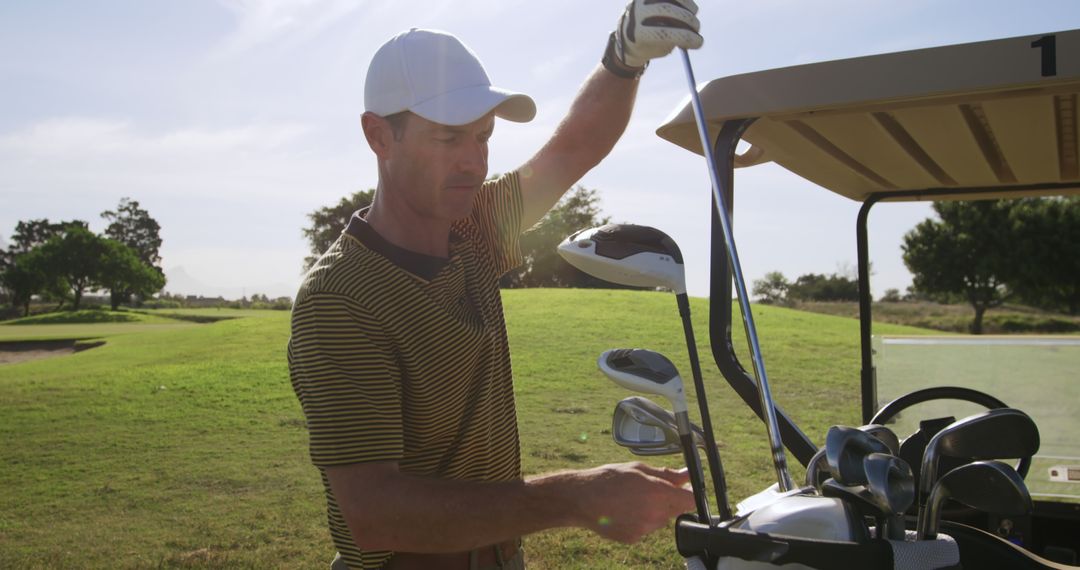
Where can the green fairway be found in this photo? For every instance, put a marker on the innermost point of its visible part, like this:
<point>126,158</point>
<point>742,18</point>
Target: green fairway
<point>183,445</point>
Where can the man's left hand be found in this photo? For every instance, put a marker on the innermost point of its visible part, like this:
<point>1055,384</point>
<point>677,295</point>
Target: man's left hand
<point>652,28</point>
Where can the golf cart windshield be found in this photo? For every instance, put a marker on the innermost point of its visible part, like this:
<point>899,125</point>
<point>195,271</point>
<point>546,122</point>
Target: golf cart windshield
<point>1034,374</point>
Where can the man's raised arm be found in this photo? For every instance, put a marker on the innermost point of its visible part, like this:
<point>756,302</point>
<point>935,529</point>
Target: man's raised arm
<point>601,110</point>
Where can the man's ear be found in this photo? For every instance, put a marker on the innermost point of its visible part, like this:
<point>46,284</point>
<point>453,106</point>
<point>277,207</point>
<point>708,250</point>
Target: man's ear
<point>378,133</point>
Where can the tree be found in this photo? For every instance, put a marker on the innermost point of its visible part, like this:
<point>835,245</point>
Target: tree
<point>891,296</point>
<point>22,283</point>
<point>23,279</point>
<point>543,267</point>
<point>120,269</point>
<point>327,223</point>
<point>821,287</point>
<point>33,233</point>
<point>772,290</point>
<point>132,226</point>
<point>1046,249</point>
<point>73,259</point>
<point>969,252</point>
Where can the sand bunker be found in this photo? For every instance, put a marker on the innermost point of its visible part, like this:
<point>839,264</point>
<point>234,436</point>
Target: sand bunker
<point>22,351</point>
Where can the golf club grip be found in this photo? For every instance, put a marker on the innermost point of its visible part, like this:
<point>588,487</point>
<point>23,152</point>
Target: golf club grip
<point>776,444</point>
<point>712,453</point>
<point>697,479</point>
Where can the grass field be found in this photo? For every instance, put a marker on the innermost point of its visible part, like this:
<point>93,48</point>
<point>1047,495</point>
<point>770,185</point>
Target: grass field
<point>182,445</point>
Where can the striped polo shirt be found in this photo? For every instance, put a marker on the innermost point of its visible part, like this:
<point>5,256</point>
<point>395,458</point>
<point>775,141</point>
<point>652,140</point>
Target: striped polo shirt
<point>398,356</point>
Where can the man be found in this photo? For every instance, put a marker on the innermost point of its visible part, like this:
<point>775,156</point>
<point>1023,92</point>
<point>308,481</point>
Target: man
<point>398,352</point>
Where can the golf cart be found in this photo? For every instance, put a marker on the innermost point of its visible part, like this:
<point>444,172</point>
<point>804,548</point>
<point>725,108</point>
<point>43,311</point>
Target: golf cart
<point>986,120</point>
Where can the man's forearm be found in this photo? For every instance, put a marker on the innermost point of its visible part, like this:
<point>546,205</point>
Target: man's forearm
<point>597,118</point>
<point>420,514</point>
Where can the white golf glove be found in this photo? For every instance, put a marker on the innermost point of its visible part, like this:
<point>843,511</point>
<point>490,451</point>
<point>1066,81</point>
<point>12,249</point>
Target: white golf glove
<point>652,28</point>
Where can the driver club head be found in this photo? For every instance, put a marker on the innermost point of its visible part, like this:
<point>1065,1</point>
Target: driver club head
<point>627,254</point>
<point>644,371</point>
<point>845,449</point>
<point>1002,433</point>
<point>646,429</point>
<point>990,486</point>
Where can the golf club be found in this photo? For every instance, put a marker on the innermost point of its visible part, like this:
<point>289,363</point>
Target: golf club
<point>845,449</point>
<point>628,254</point>
<point>768,409</point>
<point>643,256</point>
<point>892,487</point>
<point>645,428</point>
<point>886,435</point>
<point>817,469</point>
<point>990,486</point>
<point>652,373</point>
<point>1002,433</point>
<point>858,497</point>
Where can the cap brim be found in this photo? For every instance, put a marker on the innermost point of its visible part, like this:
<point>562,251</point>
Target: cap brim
<point>468,104</point>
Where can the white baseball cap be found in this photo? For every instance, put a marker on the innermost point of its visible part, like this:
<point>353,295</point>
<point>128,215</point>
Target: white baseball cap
<point>434,75</point>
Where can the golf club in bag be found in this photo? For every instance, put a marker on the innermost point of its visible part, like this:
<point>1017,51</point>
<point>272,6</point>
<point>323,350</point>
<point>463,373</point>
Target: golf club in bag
<point>641,256</point>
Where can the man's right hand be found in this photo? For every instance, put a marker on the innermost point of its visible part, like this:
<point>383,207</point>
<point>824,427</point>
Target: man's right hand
<point>627,501</point>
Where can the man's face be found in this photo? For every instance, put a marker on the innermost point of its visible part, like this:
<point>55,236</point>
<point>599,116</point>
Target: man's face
<point>436,170</point>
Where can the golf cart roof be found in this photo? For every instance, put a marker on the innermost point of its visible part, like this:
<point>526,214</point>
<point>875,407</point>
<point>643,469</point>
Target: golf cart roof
<point>999,116</point>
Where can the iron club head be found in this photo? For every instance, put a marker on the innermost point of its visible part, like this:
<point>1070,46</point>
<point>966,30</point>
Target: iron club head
<point>990,486</point>
<point>890,482</point>
<point>817,470</point>
<point>845,449</point>
<point>644,371</point>
<point>1002,433</point>
<point>886,435</point>
<point>645,428</point>
<point>891,485</point>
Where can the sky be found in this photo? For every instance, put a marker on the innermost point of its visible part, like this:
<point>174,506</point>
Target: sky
<point>231,120</point>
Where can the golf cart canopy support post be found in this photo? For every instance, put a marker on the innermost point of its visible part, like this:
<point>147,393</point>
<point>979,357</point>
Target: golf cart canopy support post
<point>720,317</point>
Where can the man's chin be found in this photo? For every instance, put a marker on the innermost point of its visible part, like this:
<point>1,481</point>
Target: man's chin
<point>460,213</point>
<point>459,202</point>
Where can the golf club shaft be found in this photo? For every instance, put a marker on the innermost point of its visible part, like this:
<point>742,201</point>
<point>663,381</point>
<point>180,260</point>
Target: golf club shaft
<point>693,465</point>
<point>712,453</point>
<point>768,409</point>
<point>894,527</point>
